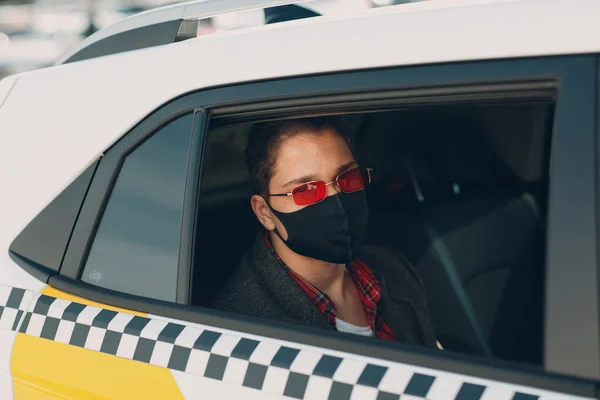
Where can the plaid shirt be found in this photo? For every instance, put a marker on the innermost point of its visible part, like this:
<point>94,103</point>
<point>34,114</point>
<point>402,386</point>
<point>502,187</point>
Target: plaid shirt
<point>369,290</point>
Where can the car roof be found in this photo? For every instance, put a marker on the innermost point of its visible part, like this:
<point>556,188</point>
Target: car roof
<point>57,121</point>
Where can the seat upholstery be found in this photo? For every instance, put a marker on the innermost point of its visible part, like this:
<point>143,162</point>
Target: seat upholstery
<point>476,237</point>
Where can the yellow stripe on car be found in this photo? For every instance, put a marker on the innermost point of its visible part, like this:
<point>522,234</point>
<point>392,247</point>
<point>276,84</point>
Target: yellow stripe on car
<point>44,369</point>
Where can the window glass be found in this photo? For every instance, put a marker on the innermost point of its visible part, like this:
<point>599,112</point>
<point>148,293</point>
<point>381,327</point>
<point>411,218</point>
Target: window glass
<point>136,247</point>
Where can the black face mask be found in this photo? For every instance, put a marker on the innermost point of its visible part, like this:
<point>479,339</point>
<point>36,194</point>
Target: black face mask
<point>332,230</point>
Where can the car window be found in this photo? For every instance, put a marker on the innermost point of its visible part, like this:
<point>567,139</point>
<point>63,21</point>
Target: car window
<point>468,212</point>
<point>137,243</point>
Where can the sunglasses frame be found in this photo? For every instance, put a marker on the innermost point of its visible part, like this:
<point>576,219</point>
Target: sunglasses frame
<point>335,181</point>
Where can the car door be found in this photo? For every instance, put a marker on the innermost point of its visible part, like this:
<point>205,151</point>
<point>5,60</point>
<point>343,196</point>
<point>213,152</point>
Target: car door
<point>118,320</point>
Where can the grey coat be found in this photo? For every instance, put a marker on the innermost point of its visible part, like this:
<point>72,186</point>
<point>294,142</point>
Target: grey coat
<point>260,287</point>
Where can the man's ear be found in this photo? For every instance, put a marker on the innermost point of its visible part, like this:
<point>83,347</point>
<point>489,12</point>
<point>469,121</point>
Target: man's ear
<point>262,212</point>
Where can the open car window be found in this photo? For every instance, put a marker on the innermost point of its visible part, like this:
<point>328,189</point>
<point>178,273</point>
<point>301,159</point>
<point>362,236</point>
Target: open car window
<point>461,191</point>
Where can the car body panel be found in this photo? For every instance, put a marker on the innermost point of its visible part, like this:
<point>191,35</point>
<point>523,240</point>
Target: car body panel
<point>152,355</point>
<point>43,369</point>
<point>6,86</point>
<point>14,302</point>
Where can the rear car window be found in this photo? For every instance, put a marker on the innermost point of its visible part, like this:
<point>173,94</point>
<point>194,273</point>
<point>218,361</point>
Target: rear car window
<point>136,247</point>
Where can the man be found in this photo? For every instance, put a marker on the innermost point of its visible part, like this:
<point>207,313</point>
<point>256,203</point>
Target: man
<point>309,266</point>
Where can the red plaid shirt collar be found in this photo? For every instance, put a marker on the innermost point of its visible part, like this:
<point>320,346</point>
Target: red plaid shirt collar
<point>369,290</point>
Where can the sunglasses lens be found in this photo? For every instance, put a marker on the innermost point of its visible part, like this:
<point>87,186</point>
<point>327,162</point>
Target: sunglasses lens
<point>353,180</point>
<point>309,193</point>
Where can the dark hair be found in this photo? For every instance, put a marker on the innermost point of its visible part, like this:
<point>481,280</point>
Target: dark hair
<point>265,138</point>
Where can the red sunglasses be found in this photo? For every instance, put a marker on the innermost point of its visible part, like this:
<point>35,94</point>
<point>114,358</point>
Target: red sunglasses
<point>313,192</point>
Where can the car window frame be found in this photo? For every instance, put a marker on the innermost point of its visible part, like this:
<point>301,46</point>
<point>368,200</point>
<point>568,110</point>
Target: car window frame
<point>572,228</point>
<point>287,93</point>
<point>597,191</point>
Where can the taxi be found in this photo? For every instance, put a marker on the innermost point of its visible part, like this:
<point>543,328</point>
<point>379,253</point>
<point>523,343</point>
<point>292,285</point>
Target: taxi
<point>124,205</point>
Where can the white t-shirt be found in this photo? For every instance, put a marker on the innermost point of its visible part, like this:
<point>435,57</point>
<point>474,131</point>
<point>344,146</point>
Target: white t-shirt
<point>343,326</point>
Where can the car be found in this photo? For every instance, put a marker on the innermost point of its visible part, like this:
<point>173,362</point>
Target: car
<point>125,209</point>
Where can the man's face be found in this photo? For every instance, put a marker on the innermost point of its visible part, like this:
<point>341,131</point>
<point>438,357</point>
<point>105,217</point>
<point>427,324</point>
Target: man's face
<point>304,158</point>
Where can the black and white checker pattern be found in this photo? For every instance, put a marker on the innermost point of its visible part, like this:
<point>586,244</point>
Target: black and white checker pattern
<point>13,303</point>
<point>264,365</point>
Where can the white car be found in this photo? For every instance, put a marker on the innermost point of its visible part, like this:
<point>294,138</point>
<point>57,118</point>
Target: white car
<point>124,205</point>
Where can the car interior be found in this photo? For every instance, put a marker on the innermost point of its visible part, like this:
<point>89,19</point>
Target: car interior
<point>460,190</point>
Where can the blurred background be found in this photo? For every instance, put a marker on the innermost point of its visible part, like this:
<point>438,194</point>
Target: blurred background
<point>35,33</point>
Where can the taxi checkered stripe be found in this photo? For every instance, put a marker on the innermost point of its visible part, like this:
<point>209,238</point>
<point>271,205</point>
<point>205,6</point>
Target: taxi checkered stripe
<point>263,365</point>
<point>13,303</point>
